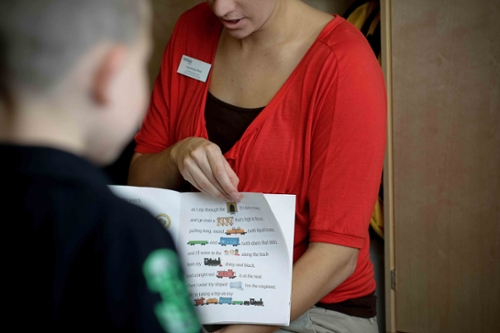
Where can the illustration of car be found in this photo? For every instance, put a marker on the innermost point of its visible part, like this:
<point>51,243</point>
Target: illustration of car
<point>197,242</point>
<point>212,301</point>
<point>235,231</point>
<point>229,274</point>
<point>225,300</point>
<point>237,303</point>
<point>199,301</point>
<point>229,241</point>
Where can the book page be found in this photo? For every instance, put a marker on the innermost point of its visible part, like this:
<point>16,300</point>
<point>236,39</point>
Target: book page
<point>283,208</point>
<point>238,264</point>
<point>161,203</point>
<point>256,268</point>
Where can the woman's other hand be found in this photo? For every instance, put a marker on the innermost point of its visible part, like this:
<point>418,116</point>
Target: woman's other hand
<point>202,164</point>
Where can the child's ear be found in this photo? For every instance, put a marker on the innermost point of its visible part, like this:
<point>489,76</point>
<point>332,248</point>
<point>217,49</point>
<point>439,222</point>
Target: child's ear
<point>106,71</point>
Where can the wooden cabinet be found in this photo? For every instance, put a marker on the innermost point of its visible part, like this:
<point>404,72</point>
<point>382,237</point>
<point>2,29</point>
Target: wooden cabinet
<point>442,186</point>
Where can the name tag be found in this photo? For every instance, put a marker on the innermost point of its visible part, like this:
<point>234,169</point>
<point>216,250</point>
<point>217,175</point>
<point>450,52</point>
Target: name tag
<point>194,68</point>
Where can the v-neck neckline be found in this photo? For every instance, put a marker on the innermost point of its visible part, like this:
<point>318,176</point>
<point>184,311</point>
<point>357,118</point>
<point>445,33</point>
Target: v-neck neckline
<point>259,120</point>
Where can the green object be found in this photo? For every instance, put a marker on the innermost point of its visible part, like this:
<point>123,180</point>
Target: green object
<point>194,242</point>
<point>164,276</point>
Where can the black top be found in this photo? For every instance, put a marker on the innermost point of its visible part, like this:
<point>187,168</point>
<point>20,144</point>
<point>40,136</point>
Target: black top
<point>79,259</point>
<point>226,123</point>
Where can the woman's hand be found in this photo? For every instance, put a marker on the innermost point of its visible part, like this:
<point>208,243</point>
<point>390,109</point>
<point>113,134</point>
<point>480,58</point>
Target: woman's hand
<point>202,164</point>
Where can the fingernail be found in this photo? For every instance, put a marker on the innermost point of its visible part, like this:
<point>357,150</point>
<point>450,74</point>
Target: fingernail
<point>235,195</point>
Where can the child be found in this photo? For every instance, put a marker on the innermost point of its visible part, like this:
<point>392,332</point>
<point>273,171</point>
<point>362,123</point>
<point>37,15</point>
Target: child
<point>72,93</point>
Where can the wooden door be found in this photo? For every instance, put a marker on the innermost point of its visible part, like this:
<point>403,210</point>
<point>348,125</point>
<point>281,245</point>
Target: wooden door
<point>444,158</point>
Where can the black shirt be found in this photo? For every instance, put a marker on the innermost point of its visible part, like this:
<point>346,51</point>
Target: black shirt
<point>227,123</point>
<point>78,259</point>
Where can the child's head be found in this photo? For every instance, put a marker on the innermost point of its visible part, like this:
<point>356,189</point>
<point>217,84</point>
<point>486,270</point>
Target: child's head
<point>73,73</point>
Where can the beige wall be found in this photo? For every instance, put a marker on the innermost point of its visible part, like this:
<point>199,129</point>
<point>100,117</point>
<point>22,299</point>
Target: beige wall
<point>166,13</point>
<point>330,6</point>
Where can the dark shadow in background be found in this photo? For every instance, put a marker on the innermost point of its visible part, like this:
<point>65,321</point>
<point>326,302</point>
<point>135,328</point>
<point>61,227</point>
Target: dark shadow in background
<point>118,171</point>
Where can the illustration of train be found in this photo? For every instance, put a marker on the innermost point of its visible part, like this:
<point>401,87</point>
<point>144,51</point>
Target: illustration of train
<point>229,274</point>
<point>227,300</point>
<point>212,262</point>
<point>252,301</point>
<point>197,242</point>
<point>235,231</point>
<point>229,241</point>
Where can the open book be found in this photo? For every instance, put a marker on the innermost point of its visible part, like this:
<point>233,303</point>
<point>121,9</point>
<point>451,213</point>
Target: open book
<point>237,257</point>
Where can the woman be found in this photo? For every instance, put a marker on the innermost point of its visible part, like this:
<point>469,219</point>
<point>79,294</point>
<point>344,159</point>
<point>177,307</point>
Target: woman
<point>294,103</point>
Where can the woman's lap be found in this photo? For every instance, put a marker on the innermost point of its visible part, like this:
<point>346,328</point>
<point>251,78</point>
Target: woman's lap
<point>319,320</point>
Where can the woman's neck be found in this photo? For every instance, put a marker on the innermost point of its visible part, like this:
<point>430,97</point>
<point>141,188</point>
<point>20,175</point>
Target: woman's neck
<point>276,30</point>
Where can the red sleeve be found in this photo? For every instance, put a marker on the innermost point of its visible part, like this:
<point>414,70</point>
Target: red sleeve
<point>348,146</point>
<point>195,34</point>
<point>153,137</point>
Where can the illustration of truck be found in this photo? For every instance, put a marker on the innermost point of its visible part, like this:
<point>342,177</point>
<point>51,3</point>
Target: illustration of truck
<point>229,241</point>
<point>197,242</point>
<point>212,262</point>
<point>252,301</point>
<point>199,301</point>
<point>225,300</point>
<point>212,301</point>
<point>235,231</point>
<point>229,274</point>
